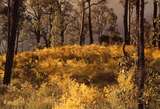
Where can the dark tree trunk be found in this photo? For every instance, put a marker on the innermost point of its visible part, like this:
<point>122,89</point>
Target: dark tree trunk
<point>17,41</point>
<point>159,27</point>
<point>63,28</point>
<point>47,42</point>
<point>48,37</point>
<point>82,37</point>
<point>62,37</point>
<point>90,22</point>
<point>155,13</point>
<point>137,22</point>
<point>159,42</point>
<point>141,59</point>
<point>126,32</point>
<point>38,37</point>
<point>129,22</point>
<point>37,30</point>
<point>126,35</point>
<point>13,19</point>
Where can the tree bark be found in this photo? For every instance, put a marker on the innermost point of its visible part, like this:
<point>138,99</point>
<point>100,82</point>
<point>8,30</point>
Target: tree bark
<point>126,31</point>
<point>13,19</point>
<point>155,12</point>
<point>82,37</point>
<point>137,22</point>
<point>49,42</point>
<point>38,37</point>
<point>126,35</point>
<point>90,22</point>
<point>17,41</point>
<point>141,59</point>
<point>62,36</point>
<point>159,26</point>
<point>129,21</point>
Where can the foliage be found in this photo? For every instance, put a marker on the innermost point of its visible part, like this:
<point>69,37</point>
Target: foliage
<point>75,77</point>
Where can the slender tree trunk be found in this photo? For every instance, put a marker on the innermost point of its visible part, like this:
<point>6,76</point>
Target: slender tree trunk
<point>47,38</point>
<point>38,37</point>
<point>47,42</point>
<point>155,12</point>
<point>13,16</point>
<point>159,26</point>
<point>129,22</point>
<point>82,37</point>
<point>141,59</point>
<point>62,24</point>
<point>62,36</point>
<point>38,28</point>
<point>9,21</point>
<point>126,35</point>
<point>50,29</point>
<point>137,22</point>
<point>159,42</point>
<point>17,41</point>
<point>90,22</point>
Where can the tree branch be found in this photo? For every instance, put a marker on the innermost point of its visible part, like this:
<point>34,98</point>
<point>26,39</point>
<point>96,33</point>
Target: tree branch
<point>97,3</point>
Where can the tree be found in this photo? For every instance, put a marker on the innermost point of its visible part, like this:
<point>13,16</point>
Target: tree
<point>82,37</point>
<point>3,25</point>
<point>102,18</point>
<point>130,19</point>
<point>40,14</point>
<point>83,9</point>
<point>34,15</point>
<point>90,22</point>
<point>65,17</point>
<point>159,26</point>
<point>50,11</point>
<point>141,56</point>
<point>155,13</point>
<point>126,25</point>
<point>13,20</point>
<point>126,31</point>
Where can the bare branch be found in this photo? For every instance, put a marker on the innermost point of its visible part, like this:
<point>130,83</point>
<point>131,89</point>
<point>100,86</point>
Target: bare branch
<point>97,3</point>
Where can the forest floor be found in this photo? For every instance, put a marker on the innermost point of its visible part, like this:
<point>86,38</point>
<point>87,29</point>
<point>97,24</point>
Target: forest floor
<point>75,77</point>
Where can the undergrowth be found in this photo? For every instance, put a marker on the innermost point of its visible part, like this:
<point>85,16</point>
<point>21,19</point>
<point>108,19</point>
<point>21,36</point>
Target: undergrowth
<point>75,77</point>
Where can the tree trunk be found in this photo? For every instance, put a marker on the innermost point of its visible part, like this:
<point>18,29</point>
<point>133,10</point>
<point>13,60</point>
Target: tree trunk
<point>129,21</point>
<point>137,22</point>
<point>126,35</point>
<point>62,30</point>
<point>82,37</point>
<point>62,37</point>
<point>38,37</point>
<point>141,59</point>
<point>49,42</point>
<point>37,29</point>
<point>90,22</point>
<point>13,19</point>
<point>159,26</point>
<point>155,12</point>
<point>17,41</point>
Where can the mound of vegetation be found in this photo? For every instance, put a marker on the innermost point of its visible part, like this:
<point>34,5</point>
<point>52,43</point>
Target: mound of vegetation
<point>75,77</point>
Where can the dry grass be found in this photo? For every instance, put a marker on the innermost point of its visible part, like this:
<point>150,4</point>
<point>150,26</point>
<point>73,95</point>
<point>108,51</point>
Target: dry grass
<point>75,77</point>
